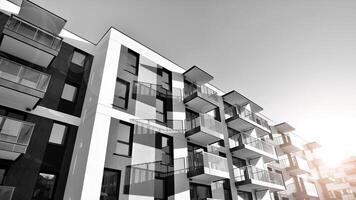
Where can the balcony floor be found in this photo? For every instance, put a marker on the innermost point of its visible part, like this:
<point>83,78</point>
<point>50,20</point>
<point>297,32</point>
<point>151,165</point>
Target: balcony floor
<point>249,152</point>
<point>241,124</point>
<point>251,184</point>
<point>203,135</point>
<point>199,103</point>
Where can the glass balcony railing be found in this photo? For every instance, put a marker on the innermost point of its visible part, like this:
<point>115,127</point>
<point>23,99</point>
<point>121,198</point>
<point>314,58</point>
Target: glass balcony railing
<point>6,192</point>
<point>15,135</point>
<point>154,90</point>
<point>243,112</point>
<point>205,121</point>
<point>209,162</point>
<point>251,172</point>
<point>294,162</point>
<point>22,75</point>
<point>245,139</point>
<point>32,32</point>
<point>203,90</point>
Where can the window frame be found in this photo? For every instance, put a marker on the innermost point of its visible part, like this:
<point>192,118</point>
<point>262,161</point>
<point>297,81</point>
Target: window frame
<point>79,52</point>
<point>126,99</point>
<point>164,113</point>
<point>133,53</point>
<point>76,92</point>
<point>64,138</point>
<point>118,180</point>
<point>132,127</point>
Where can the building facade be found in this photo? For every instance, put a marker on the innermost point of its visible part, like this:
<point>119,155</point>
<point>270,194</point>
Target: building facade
<point>116,120</point>
<point>293,163</point>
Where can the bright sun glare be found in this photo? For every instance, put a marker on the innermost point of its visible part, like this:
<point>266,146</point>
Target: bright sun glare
<point>332,158</point>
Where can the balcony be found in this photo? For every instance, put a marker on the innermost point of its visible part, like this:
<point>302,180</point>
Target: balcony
<point>242,119</point>
<point>200,98</point>
<point>206,168</point>
<point>6,192</point>
<point>295,165</point>
<point>301,192</point>
<point>29,42</point>
<point>15,135</point>
<point>204,129</point>
<point>247,147</point>
<point>291,143</point>
<point>20,86</point>
<point>251,178</point>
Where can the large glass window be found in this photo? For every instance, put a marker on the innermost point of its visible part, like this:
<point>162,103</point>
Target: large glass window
<point>132,62</point>
<point>69,92</point>
<point>199,192</point>
<point>58,133</point>
<point>166,79</point>
<point>124,133</point>
<point>110,186</point>
<point>78,58</point>
<point>167,150</point>
<point>121,94</point>
<point>44,188</point>
<point>160,110</point>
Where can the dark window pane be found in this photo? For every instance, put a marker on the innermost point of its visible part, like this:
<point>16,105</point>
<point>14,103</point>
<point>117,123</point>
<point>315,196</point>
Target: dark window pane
<point>110,185</point>
<point>121,94</point>
<point>132,62</point>
<point>44,188</point>
<point>124,133</point>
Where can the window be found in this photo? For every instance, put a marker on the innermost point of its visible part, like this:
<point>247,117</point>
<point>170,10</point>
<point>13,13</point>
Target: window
<point>198,192</point>
<point>44,188</point>
<point>58,133</point>
<point>78,58</point>
<point>166,79</point>
<point>160,110</point>
<point>124,133</point>
<point>110,186</point>
<point>2,175</point>
<point>167,150</point>
<point>69,92</point>
<point>132,62</point>
<point>121,93</point>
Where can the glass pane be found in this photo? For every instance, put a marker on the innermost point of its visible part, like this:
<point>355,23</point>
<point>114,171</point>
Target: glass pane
<point>9,70</point>
<point>110,185</point>
<point>69,92</point>
<point>120,89</point>
<point>159,106</point>
<point>27,30</point>
<point>57,133</point>
<point>124,133</point>
<point>131,59</point>
<point>30,78</point>
<point>119,102</point>
<point>2,175</point>
<point>122,149</point>
<point>25,134</point>
<point>11,128</point>
<point>44,186</point>
<point>165,77</point>
<point>160,117</point>
<point>78,58</point>
<point>44,38</point>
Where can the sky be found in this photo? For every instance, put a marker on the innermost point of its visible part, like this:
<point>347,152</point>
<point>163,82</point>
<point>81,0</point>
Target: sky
<point>297,59</point>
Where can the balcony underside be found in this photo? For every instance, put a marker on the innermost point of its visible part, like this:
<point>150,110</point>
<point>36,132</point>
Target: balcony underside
<point>203,176</point>
<point>238,123</point>
<point>203,135</point>
<point>249,152</point>
<point>26,49</point>
<point>251,184</point>
<point>295,170</point>
<point>18,96</point>
<point>199,103</point>
<point>290,148</point>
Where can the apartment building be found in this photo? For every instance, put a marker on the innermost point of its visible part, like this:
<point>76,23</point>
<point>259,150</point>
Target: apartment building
<point>43,81</point>
<point>116,120</point>
<point>293,163</point>
<point>338,182</point>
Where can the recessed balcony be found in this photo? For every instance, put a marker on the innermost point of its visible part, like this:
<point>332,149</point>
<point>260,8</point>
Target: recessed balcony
<point>206,168</point>
<point>291,143</point>
<point>295,165</point>
<point>247,147</point>
<point>252,178</point>
<point>29,42</point>
<point>204,129</point>
<point>15,135</point>
<point>200,98</point>
<point>239,118</point>
<point>21,87</point>
<point>6,192</point>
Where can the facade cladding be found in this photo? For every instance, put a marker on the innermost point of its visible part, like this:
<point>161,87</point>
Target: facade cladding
<point>116,120</point>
